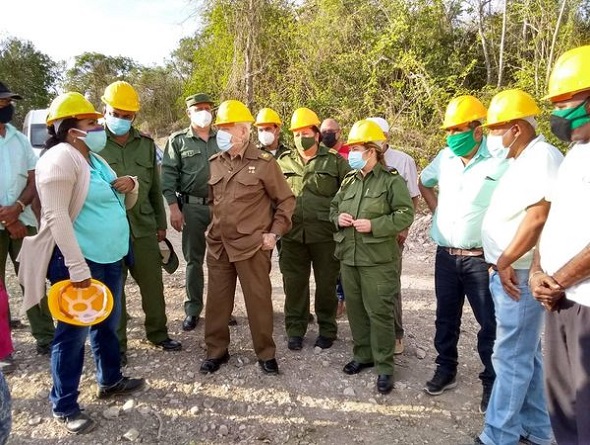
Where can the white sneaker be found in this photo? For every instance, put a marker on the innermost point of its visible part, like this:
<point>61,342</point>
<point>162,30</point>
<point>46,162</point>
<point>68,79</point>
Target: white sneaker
<point>399,346</point>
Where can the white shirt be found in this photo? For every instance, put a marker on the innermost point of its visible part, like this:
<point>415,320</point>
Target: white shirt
<point>567,230</point>
<point>527,181</point>
<point>406,167</point>
<point>17,158</point>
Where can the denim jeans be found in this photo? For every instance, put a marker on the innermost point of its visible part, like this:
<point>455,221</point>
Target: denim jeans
<point>5,413</point>
<point>517,406</point>
<point>67,354</point>
<point>454,278</point>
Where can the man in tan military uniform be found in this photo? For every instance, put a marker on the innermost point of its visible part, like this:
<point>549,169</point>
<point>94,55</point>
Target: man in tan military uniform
<point>252,206</point>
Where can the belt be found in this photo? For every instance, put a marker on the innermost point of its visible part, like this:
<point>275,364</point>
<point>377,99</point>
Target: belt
<point>189,199</point>
<point>478,251</point>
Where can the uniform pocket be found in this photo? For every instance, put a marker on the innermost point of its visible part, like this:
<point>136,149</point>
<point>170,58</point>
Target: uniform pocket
<point>323,183</point>
<point>248,188</point>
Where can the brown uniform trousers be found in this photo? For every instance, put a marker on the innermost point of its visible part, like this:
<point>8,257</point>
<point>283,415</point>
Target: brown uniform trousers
<point>249,197</point>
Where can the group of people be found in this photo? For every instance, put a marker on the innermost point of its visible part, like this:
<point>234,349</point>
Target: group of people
<point>507,219</point>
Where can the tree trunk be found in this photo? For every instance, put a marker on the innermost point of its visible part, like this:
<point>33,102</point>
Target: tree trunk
<point>554,40</point>
<point>484,43</point>
<point>502,40</point>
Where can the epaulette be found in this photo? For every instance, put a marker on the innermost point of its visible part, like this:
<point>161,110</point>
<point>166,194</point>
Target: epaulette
<point>287,152</point>
<point>393,171</point>
<point>349,177</point>
<point>178,133</point>
<point>215,156</point>
<point>265,155</point>
<point>333,151</point>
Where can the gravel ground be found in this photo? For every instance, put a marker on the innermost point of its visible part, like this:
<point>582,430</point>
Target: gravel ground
<point>311,402</point>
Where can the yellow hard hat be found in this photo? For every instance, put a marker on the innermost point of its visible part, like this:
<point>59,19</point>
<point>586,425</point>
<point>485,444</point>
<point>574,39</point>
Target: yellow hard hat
<point>233,111</point>
<point>509,105</point>
<point>71,105</point>
<point>570,74</point>
<point>462,110</point>
<point>365,131</point>
<point>122,96</point>
<point>267,116</point>
<point>80,307</point>
<point>304,117</point>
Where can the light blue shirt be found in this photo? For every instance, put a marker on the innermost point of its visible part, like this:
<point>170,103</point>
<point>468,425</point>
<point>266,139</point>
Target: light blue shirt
<point>464,194</point>
<point>17,158</point>
<point>101,228</point>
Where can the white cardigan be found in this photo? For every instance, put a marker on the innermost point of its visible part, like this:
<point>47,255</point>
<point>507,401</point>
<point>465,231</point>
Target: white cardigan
<point>62,178</point>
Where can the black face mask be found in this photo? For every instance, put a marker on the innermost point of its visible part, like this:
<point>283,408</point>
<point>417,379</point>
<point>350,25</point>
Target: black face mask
<point>561,127</point>
<point>329,139</point>
<point>6,114</point>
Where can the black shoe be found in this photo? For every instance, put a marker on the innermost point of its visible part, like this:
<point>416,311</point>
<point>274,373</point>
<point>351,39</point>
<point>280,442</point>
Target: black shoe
<point>125,386</point>
<point>295,343</point>
<point>485,399</point>
<point>384,383</point>
<point>440,383</point>
<point>354,367</point>
<point>190,323</point>
<point>123,359</point>
<point>232,321</point>
<point>169,345</point>
<point>79,423</point>
<point>269,366</point>
<point>524,441</point>
<point>211,365</point>
<point>43,349</point>
<point>324,342</point>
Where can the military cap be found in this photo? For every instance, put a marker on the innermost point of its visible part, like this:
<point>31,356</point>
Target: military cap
<point>199,98</point>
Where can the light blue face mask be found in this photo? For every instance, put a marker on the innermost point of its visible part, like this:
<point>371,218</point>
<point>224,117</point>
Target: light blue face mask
<point>95,139</point>
<point>356,161</point>
<point>223,139</point>
<point>118,126</point>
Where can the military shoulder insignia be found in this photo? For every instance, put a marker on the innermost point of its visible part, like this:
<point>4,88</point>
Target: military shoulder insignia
<point>393,171</point>
<point>333,151</point>
<point>215,156</point>
<point>265,155</point>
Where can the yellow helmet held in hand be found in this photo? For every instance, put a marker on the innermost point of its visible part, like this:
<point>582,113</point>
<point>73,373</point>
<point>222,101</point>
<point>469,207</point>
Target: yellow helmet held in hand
<point>509,105</point>
<point>122,96</point>
<point>267,116</point>
<point>304,117</point>
<point>71,104</point>
<point>80,306</point>
<point>462,110</point>
<point>365,131</point>
<point>570,75</point>
<point>233,111</point>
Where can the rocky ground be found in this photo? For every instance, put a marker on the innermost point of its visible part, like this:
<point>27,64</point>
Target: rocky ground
<point>311,402</point>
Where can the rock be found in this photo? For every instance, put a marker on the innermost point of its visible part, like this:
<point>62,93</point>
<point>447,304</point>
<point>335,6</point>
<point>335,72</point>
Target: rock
<point>34,421</point>
<point>132,435</point>
<point>208,403</point>
<point>242,427</point>
<point>129,405</point>
<point>325,363</point>
<point>372,400</point>
<point>194,410</point>
<point>190,375</point>
<point>223,430</point>
<point>144,410</point>
<point>111,413</point>
<point>317,350</point>
<point>43,394</point>
<point>349,392</point>
<point>420,353</point>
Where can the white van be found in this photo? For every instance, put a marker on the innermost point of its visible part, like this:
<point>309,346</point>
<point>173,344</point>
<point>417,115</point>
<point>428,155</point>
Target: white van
<point>35,129</point>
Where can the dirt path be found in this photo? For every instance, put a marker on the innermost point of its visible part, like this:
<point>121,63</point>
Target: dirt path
<point>310,402</point>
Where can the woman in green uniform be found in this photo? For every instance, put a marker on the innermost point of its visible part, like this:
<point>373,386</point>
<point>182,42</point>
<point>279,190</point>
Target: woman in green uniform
<point>370,209</point>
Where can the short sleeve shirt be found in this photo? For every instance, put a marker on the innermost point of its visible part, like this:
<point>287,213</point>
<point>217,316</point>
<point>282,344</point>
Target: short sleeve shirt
<point>463,197</point>
<point>527,181</point>
<point>17,158</point>
<point>406,167</point>
<point>566,232</point>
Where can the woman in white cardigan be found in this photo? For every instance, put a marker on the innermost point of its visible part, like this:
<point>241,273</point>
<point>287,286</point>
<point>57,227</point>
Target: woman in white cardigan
<point>84,234</point>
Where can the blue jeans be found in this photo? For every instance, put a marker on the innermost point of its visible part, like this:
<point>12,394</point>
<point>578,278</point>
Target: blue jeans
<point>5,413</point>
<point>454,278</point>
<point>517,406</point>
<point>67,354</point>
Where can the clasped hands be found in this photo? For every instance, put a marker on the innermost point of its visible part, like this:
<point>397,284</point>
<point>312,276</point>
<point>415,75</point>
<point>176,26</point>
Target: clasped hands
<point>361,225</point>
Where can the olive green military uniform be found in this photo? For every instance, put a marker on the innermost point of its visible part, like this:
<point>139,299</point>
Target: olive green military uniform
<point>249,198</point>
<point>185,171</point>
<point>138,158</point>
<point>281,148</point>
<point>310,241</point>
<point>370,261</point>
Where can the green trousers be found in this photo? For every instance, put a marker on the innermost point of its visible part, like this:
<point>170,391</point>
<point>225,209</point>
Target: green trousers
<point>295,261</point>
<point>196,219</point>
<point>42,327</point>
<point>369,294</point>
<point>147,273</point>
<point>397,300</point>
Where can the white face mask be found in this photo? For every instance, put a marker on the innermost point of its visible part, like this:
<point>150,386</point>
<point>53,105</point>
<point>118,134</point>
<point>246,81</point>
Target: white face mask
<point>266,138</point>
<point>201,118</point>
<point>496,147</point>
<point>224,140</point>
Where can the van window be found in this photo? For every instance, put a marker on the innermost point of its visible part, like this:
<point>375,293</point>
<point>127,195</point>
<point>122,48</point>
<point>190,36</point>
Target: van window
<point>39,135</point>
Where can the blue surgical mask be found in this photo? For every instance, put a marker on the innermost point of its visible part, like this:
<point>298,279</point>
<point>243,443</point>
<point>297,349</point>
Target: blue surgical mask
<point>95,140</point>
<point>224,140</point>
<point>118,126</point>
<point>356,161</point>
